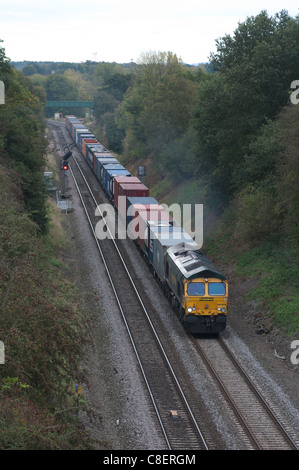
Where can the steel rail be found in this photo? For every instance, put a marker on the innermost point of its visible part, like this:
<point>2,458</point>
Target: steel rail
<point>258,394</point>
<point>226,393</point>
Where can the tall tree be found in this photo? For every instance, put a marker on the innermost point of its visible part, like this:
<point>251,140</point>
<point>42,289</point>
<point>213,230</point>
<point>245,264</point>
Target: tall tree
<point>255,68</point>
<point>158,106</point>
<point>22,140</point>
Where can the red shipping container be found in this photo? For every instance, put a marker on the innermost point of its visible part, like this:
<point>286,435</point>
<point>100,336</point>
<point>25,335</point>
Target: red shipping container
<point>133,190</point>
<point>130,190</point>
<point>87,141</point>
<point>123,180</point>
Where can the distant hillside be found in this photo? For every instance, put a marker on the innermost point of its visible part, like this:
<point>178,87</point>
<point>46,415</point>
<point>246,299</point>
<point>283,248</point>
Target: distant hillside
<point>46,67</point>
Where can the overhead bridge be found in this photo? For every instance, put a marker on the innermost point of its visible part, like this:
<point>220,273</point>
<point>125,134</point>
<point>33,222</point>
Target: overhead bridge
<point>69,104</point>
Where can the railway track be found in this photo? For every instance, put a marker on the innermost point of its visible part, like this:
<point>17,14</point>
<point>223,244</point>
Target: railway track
<point>256,417</point>
<point>177,421</point>
<point>179,424</point>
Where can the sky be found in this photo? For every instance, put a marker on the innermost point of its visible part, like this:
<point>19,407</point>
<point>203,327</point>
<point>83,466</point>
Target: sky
<point>121,30</point>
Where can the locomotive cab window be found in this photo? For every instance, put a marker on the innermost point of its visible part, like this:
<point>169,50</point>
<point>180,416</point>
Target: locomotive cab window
<point>196,288</point>
<point>216,288</point>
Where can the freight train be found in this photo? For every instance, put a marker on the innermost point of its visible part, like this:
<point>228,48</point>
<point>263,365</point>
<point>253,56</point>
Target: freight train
<point>196,289</point>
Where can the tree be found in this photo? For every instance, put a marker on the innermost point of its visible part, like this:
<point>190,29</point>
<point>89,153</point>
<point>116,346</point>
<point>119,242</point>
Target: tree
<point>22,140</point>
<point>255,68</point>
<point>60,88</point>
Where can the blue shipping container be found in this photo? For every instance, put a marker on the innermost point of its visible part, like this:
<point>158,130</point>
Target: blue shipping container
<point>109,186</point>
<point>101,162</point>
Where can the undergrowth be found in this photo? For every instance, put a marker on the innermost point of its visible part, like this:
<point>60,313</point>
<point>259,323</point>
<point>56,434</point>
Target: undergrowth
<point>277,290</point>
<point>42,328</point>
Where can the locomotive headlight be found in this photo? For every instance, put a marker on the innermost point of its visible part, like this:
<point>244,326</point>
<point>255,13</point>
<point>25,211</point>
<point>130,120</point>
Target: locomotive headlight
<point>189,309</point>
<point>223,310</point>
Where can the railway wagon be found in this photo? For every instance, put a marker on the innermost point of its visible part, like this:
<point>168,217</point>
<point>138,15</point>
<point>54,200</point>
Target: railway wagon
<point>92,155</point>
<point>146,217</point>
<point>96,155</point>
<point>109,181</point>
<point>198,289</point>
<point>101,161</point>
<point>128,190</point>
<point>93,148</point>
<point>79,132</point>
<point>69,120</point>
<point>122,179</point>
<point>125,205</point>
<point>76,128</point>
<point>160,237</point>
<point>86,141</point>
<point>81,137</point>
<point>108,167</point>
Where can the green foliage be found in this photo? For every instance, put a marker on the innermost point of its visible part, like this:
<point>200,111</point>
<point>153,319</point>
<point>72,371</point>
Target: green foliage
<point>158,106</point>
<point>177,157</point>
<point>277,290</point>
<point>256,213</point>
<point>22,143</point>
<point>263,153</point>
<point>59,88</point>
<point>255,68</point>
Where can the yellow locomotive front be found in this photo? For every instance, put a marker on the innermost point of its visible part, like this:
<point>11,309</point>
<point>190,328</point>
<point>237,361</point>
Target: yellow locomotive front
<point>199,291</point>
<point>205,298</point>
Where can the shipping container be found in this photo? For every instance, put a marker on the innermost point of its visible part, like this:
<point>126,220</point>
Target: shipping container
<point>84,142</point>
<point>93,150</point>
<point>73,125</point>
<point>69,120</point>
<point>95,147</point>
<point>144,217</point>
<point>125,203</point>
<point>106,168</point>
<point>87,135</point>
<point>75,128</point>
<point>100,162</point>
<point>159,239</point>
<point>109,179</point>
<point>78,132</point>
<point>96,152</point>
<point>133,190</point>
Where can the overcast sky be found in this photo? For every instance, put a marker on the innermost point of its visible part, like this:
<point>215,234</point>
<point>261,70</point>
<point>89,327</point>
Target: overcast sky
<point>120,30</point>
